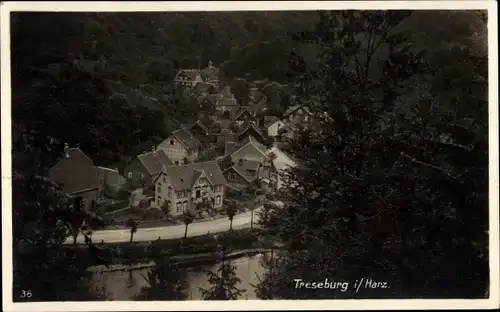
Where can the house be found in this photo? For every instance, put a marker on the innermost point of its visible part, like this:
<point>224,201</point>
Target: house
<point>210,74</point>
<point>246,161</point>
<point>204,88</point>
<point>249,128</point>
<point>145,167</point>
<point>208,104</point>
<point>200,131</point>
<point>226,101</point>
<point>272,125</point>
<point>183,187</point>
<point>110,180</point>
<point>297,114</point>
<point>76,173</point>
<point>187,77</point>
<point>181,146</point>
<point>242,114</point>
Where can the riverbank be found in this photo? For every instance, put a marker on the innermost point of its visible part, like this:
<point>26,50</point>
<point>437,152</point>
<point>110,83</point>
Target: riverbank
<point>182,261</point>
<point>208,245</point>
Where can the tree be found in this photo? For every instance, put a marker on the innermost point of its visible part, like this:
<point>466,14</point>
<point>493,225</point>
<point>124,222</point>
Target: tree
<point>165,281</point>
<point>223,282</point>
<point>231,212</point>
<point>76,219</point>
<point>384,177</point>
<point>188,218</point>
<point>132,224</point>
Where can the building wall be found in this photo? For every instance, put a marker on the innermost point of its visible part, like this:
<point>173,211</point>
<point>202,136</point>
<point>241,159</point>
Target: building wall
<point>174,149</point>
<point>137,174</point>
<point>165,192</point>
<point>272,130</point>
<point>110,180</point>
<point>182,200</point>
<point>88,198</point>
<point>235,178</point>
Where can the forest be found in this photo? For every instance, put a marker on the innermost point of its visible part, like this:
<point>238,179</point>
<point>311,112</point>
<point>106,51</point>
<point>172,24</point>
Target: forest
<point>399,193</point>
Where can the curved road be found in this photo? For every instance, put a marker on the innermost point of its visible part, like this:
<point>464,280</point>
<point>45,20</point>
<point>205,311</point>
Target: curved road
<point>240,221</point>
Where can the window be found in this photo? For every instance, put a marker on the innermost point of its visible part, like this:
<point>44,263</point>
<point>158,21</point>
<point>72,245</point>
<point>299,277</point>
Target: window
<point>205,189</point>
<point>176,162</point>
<point>158,201</point>
<point>171,142</point>
<point>185,205</point>
<point>231,176</point>
<point>306,118</point>
<point>129,175</point>
<point>179,207</point>
<point>217,200</point>
<point>218,188</point>
<point>165,178</point>
<point>142,175</point>
<point>159,188</point>
<point>169,191</point>
<point>198,194</point>
<point>169,204</point>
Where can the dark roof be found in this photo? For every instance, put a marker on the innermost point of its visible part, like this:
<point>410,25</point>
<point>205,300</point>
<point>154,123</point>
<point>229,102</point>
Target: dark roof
<point>191,73</point>
<point>210,73</point>
<point>269,120</point>
<point>184,177</point>
<point>247,126</point>
<point>245,167</point>
<point>154,161</point>
<point>293,108</point>
<point>227,102</point>
<point>211,98</point>
<point>202,126</point>
<point>186,138</point>
<point>75,173</point>
<point>230,148</point>
<point>239,111</point>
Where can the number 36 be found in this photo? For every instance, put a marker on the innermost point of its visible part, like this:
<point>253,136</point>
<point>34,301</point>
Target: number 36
<point>26,294</point>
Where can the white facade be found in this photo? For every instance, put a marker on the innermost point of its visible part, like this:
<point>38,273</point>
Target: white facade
<point>176,151</point>
<point>272,129</point>
<point>180,201</point>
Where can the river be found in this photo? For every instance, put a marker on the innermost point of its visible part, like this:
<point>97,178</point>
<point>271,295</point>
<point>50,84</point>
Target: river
<point>119,286</point>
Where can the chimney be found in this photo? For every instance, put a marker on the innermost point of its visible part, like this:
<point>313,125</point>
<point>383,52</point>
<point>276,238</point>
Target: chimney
<point>66,150</point>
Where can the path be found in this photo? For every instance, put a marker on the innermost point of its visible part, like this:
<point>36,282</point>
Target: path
<point>240,221</point>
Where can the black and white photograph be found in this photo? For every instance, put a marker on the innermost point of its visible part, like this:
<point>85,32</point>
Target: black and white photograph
<point>203,153</point>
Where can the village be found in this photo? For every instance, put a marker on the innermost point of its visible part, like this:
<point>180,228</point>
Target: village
<point>221,165</point>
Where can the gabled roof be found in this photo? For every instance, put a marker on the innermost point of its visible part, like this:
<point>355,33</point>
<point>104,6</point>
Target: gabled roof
<point>269,120</point>
<point>184,177</point>
<point>250,140</point>
<point>243,168</point>
<point>230,148</point>
<point>293,108</point>
<point>190,73</point>
<point>260,106</point>
<point>211,98</point>
<point>210,73</point>
<point>186,138</point>
<point>76,173</point>
<point>247,126</point>
<point>154,161</point>
<point>239,111</point>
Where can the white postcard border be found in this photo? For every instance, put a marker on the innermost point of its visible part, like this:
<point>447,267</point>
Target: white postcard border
<point>7,278</point>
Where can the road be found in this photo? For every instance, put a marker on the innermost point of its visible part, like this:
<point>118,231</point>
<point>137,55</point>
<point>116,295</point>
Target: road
<point>281,162</point>
<point>240,221</point>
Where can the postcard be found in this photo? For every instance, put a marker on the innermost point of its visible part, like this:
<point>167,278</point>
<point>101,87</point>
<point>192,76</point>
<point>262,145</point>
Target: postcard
<point>249,155</point>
